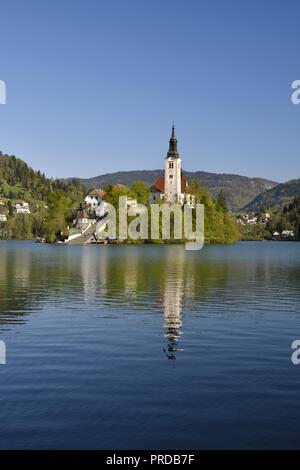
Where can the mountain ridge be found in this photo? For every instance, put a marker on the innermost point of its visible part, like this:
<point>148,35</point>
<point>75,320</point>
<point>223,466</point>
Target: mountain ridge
<point>276,197</point>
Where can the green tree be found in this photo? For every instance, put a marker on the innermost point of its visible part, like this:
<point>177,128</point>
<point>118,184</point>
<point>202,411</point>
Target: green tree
<point>140,191</point>
<point>18,227</point>
<point>114,191</point>
<point>58,215</point>
<point>222,201</point>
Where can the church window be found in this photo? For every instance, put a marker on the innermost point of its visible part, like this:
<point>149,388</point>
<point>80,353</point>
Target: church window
<point>171,164</point>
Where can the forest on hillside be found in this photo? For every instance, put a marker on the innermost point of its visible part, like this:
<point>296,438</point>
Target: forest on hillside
<point>18,180</point>
<point>53,203</point>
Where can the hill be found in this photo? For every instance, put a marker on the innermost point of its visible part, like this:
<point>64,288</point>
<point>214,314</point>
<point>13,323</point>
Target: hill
<point>239,190</point>
<point>52,203</point>
<point>287,219</point>
<point>277,197</point>
<point>19,181</point>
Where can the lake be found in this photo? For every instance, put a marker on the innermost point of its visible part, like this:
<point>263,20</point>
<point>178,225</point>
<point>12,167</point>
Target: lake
<point>149,346</point>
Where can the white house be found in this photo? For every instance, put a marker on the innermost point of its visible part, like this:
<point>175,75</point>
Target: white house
<point>3,218</point>
<point>252,220</point>
<point>264,219</point>
<point>101,209</point>
<point>22,208</point>
<point>94,198</point>
<point>288,234</point>
<point>172,187</point>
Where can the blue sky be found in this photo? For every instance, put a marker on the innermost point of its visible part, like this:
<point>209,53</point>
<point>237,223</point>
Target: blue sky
<point>93,86</point>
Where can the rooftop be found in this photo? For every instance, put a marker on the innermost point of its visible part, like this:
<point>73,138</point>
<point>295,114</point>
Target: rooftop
<point>97,192</point>
<point>159,184</point>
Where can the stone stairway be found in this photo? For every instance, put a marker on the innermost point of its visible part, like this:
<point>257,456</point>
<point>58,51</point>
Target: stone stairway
<point>85,237</point>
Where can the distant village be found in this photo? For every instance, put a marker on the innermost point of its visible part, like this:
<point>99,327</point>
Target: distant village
<point>262,219</point>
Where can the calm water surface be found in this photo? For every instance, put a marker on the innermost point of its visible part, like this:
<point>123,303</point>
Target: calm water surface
<point>149,346</point>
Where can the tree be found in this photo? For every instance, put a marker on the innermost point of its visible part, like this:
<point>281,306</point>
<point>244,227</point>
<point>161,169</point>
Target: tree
<point>140,191</point>
<point>18,227</point>
<point>221,201</point>
<point>38,223</point>
<point>58,214</point>
<point>114,191</point>
<point>201,193</point>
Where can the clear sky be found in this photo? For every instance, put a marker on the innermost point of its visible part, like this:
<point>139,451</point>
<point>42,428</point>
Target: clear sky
<point>93,86</point>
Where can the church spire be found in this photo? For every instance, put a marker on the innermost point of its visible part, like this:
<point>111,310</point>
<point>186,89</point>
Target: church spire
<point>173,152</point>
<point>173,136</point>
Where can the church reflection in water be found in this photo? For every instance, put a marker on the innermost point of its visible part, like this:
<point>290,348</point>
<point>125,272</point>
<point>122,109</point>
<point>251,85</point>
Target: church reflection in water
<point>173,298</point>
<point>141,280</point>
<point>117,281</point>
<point>125,281</point>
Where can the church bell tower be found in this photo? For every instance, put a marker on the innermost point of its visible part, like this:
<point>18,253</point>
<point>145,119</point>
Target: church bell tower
<point>172,191</point>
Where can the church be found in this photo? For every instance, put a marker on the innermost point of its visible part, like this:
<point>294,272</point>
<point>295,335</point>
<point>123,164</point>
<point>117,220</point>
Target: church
<point>172,187</point>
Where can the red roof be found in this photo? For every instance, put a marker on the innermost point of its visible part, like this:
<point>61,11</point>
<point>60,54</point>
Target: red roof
<point>97,192</point>
<point>159,184</point>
